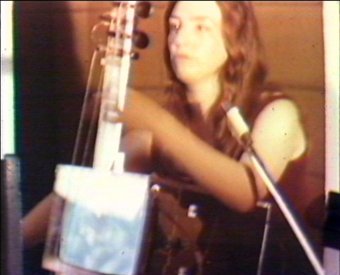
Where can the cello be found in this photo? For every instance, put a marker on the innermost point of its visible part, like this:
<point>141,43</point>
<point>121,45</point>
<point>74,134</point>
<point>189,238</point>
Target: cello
<point>99,214</point>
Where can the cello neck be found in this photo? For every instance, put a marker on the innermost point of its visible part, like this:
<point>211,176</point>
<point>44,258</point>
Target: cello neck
<point>116,63</point>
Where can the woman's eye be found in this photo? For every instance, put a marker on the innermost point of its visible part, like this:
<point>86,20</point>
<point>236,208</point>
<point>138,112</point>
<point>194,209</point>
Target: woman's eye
<point>202,27</point>
<point>173,26</point>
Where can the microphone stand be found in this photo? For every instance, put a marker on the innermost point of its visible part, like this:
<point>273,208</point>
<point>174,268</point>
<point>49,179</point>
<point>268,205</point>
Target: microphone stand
<point>242,132</point>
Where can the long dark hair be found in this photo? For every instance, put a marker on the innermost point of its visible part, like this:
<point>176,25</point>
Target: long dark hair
<point>245,70</point>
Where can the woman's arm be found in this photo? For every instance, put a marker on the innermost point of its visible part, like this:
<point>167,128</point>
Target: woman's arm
<point>35,223</point>
<point>277,135</point>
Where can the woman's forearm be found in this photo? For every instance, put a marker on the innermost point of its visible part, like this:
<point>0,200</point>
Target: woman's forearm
<point>35,223</point>
<point>224,177</point>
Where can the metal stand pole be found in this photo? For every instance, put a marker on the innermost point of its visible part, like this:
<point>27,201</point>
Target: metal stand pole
<point>287,212</point>
<point>11,235</point>
<point>241,131</point>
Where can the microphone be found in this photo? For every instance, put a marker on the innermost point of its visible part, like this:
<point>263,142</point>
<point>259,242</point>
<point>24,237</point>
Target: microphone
<point>240,129</point>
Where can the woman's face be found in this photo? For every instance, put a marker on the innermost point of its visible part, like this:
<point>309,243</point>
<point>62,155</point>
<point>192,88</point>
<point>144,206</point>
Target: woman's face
<point>195,41</point>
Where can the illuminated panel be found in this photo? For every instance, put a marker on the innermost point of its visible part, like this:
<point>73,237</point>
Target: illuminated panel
<point>7,83</point>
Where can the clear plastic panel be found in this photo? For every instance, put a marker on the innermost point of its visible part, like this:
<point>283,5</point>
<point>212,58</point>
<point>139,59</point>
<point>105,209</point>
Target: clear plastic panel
<point>98,221</point>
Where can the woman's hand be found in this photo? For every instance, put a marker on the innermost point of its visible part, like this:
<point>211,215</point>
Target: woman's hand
<point>140,112</point>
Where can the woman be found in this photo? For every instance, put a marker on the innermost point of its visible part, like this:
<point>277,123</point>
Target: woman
<point>216,60</point>
<point>214,66</point>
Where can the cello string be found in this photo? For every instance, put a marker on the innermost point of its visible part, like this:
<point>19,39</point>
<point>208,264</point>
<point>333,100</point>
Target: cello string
<point>84,108</point>
<point>126,48</point>
<point>93,121</point>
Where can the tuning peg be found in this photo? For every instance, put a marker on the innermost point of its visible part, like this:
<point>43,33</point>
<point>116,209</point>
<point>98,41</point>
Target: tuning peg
<point>143,9</point>
<point>107,17</point>
<point>99,33</point>
<point>134,55</point>
<point>140,39</point>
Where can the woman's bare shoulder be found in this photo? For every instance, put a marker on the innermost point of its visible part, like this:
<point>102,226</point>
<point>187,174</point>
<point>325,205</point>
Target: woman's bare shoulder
<point>279,124</point>
<point>282,113</point>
